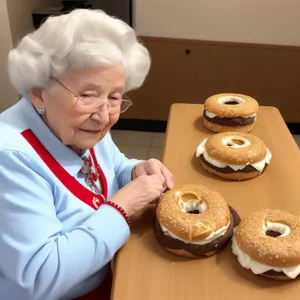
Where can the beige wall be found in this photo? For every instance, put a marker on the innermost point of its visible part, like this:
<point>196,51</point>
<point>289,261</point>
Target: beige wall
<point>15,22</point>
<point>254,21</point>
<point>20,15</point>
<point>8,94</point>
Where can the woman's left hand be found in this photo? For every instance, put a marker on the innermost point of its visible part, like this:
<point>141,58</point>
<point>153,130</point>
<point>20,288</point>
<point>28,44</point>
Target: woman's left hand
<point>154,167</point>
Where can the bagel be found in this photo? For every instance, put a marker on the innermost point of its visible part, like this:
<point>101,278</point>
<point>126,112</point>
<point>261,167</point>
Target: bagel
<point>230,112</point>
<point>234,155</point>
<point>194,221</point>
<point>268,243</point>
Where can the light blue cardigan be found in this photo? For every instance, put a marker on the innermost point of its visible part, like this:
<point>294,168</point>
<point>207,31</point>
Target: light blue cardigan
<point>52,245</point>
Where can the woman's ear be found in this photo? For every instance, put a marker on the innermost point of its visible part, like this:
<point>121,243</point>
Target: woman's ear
<point>36,97</point>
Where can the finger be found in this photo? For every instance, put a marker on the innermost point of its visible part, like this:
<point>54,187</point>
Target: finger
<point>168,177</point>
<point>140,170</point>
<point>157,184</point>
<point>154,201</point>
<point>158,197</point>
<point>155,169</point>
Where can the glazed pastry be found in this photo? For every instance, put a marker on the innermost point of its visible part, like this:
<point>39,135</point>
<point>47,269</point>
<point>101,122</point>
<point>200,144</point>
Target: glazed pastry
<point>268,243</point>
<point>230,112</point>
<point>194,221</point>
<point>234,155</point>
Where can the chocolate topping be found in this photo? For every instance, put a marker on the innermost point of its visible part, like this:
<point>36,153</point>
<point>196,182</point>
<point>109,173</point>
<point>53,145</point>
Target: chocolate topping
<point>198,250</point>
<point>277,274</point>
<point>235,216</point>
<point>230,121</point>
<point>273,233</point>
<point>227,169</point>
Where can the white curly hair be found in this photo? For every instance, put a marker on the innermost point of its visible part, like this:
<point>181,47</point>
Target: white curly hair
<point>80,39</point>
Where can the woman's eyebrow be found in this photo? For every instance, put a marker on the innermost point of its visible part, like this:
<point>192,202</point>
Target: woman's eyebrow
<point>119,89</point>
<point>91,86</point>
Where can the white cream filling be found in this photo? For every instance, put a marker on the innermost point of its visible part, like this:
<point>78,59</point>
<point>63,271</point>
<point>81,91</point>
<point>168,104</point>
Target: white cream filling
<point>283,229</point>
<point>259,166</point>
<point>192,205</point>
<point>214,235</point>
<point>212,115</point>
<point>258,268</point>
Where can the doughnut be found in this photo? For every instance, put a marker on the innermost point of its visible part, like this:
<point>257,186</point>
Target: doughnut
<point>234,155</point>
<point>230,112</point>
<point>268,243</point>
<point>193,221</point>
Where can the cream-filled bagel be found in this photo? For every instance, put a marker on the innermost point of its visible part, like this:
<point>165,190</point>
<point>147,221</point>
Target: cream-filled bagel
<point>268,243</point>
<point>230,112</point>
<point>194,221</point>
<point>234,155</point>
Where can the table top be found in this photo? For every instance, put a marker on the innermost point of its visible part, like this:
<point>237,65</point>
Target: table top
<point>144,270</point>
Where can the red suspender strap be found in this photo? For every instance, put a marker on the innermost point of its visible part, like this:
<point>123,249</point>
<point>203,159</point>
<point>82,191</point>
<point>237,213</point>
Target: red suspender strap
<point>78,190</point>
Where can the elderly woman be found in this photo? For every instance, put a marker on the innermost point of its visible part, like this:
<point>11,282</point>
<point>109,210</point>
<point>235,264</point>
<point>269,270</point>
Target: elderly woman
<point>67,193</point>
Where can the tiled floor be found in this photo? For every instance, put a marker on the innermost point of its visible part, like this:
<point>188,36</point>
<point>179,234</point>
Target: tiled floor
<point>140,145</point>
<point>297,139</point>
<point>146,145</point>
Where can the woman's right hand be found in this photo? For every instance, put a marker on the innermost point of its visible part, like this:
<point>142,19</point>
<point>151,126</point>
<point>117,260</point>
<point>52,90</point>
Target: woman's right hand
<point>138,193</point>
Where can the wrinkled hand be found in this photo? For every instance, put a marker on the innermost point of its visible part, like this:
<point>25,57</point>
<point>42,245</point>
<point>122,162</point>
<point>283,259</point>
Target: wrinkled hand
<point>138,193</point>
<point>154,167</point>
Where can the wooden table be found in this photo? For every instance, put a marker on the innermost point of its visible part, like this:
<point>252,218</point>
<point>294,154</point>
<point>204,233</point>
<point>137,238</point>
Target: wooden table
<point>144,270</point>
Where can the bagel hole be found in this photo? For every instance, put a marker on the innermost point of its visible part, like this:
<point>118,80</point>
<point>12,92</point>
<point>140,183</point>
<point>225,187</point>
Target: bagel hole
<point>231,102</point>
<point>238,142</point>
<point>234,142</point>
<point>190,203</point>
<point>275,230</point>
<point>188,196</point>
<point>194,207</point>
<point>273,233</point>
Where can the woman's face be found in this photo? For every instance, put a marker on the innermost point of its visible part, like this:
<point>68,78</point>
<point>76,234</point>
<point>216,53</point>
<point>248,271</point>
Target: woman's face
<point>75,128</point>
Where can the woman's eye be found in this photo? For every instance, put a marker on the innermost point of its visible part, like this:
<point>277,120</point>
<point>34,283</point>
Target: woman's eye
<point>87,95</point>
<point>116,97</point>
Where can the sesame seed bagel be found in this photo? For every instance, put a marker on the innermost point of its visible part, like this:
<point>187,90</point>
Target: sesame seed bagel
<point>218,104</point>
<point>194,221</point>
<point>236,148</point>
<point>268,243</point>
<point>172,212</point>
<point>282,251</point>
<point>230,112</point>
<point>234,155</point>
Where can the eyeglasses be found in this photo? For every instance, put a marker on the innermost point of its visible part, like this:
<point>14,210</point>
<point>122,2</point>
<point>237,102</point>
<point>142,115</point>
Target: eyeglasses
<point>90,104</point>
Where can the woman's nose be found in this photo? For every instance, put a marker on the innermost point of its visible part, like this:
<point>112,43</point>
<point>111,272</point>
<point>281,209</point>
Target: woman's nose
<point>102,115</point>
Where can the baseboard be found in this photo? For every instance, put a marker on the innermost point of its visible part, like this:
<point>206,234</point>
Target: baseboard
<point>141,125</point>
<point>160,126</point>
<point>294,128</point>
